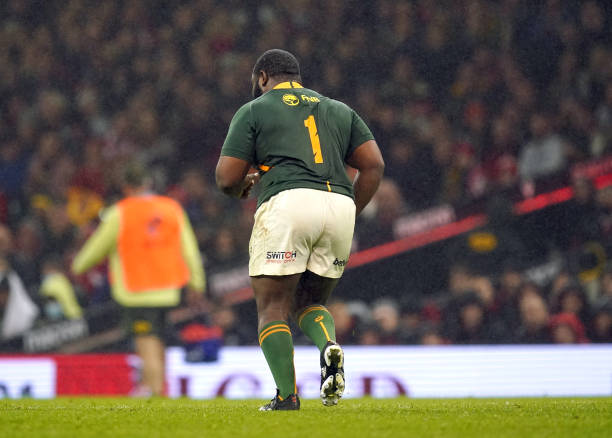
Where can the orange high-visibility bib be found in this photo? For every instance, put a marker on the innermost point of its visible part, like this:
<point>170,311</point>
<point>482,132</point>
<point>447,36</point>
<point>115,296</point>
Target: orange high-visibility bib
<point>149,244</point>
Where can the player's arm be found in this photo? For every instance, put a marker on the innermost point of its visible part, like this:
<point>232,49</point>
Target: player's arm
<point>237,155</point>
<point>233,178</point>
<point>99,244</point>
<point>191,254</point>
<point>364,156</point>
<point>368,160</point>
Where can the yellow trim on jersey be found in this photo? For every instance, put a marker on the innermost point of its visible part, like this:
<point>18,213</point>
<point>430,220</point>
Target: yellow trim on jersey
<point>285,85</point>
<point>263,167</point>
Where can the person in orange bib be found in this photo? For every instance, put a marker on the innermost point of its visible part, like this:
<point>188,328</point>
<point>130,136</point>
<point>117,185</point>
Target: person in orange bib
<point>153,254</point>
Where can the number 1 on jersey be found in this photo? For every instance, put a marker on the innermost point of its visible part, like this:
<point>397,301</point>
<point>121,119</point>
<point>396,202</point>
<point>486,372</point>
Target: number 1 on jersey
<point>314,138</point>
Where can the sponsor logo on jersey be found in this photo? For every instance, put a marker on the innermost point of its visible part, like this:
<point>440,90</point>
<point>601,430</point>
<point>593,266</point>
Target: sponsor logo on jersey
<point>340,262</point>
<point>290,99</point>
<point>310,98</point>
<point>281,256</point>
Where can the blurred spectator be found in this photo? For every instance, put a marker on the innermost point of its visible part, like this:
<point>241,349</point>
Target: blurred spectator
<point>605,284</point>
<point>544,154</point>
<point>385,314</point>
<point>604,204</point>
<point>566,328</point>
<point>505,307</point>
<point>572,299</point>
<point>377,219</point>
<point>28,250</point>
<point>602,141</point>
<point>224,253</point>
<point>499,160</point>
<point>467,322</point>
<point>369,334</point>
<point>534,320</point>
<point>235,331</point>
<point>6,241</point>
<point>411,320</point>
<point>431,336</point>
<point>601,324</point>
<point>459,279</point>
<point>58,231</point>
<point>60,299</point>
<point>581,218</point>
<point>13,169</point>
<point>344,321</point>
<point>17,309</point>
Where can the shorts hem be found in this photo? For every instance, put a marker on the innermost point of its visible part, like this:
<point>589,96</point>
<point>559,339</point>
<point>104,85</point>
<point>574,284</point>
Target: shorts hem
<point>260,272</point>
<point>327,273</point>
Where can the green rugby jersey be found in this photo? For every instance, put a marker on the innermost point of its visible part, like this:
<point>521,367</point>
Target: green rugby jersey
<point>297,138</point>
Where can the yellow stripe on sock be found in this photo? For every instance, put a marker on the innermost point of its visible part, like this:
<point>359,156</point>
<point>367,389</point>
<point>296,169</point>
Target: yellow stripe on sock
<point>267,329</point>
<point>307,311</point>
<point>325,331</point>
<point>262,338</point>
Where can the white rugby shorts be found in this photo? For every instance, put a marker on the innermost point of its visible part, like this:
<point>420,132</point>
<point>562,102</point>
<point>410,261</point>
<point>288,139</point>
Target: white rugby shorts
<point>302,229</point>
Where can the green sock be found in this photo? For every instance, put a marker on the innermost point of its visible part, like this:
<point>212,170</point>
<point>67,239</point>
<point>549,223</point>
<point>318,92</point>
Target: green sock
<point>318,324</point>
<point>277,345</point>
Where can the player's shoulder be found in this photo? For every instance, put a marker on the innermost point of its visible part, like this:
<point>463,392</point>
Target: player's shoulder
<point>148,201</point>
<point>329,101</point>
<point>110,213</point>
<point>338,108</point>
<point>338,104</point>
<point>245,109</point>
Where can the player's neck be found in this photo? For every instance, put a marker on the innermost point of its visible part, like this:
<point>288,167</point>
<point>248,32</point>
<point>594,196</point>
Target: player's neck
<point>281,83</point>
<point>137,191</point>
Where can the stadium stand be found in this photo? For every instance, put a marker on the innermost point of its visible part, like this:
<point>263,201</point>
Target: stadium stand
<point>495,118</point>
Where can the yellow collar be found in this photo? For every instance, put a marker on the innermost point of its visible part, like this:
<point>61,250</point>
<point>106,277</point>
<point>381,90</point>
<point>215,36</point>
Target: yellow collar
<point>292,84</point>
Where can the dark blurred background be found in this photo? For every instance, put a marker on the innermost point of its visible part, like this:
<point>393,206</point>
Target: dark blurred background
<point>499,111</point>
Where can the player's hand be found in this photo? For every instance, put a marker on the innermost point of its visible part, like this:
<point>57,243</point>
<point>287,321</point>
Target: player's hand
<point>249,181</point>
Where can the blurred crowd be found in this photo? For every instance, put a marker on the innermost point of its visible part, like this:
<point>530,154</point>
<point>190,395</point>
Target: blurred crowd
<point>479,309</point>
<point>467,99</point>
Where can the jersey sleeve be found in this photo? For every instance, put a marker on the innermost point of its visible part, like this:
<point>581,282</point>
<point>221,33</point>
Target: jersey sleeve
<point>240,140</point>
<point>100,244</point>
<point>191,254</point>
<point>360,133</point>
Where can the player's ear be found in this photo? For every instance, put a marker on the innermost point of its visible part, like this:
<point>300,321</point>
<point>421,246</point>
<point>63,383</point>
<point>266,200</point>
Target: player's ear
<point>263,79</point>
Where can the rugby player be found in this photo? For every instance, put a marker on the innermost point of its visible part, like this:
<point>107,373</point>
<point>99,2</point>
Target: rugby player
<point>153,254</point>
<point>301,142</point>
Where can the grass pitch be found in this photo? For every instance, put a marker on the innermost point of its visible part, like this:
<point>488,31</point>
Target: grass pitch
<point>401,417</point>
